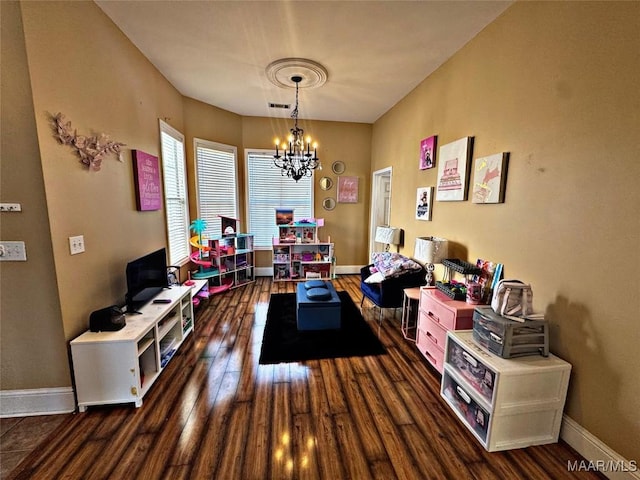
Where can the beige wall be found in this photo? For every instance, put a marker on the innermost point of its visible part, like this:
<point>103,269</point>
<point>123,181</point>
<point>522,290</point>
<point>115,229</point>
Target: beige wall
<point>209,123</point>
<point>71,58</point>
<point>349,142</point>
<point>80,64</point>
<point>33,352</point>
<point>556,85</point>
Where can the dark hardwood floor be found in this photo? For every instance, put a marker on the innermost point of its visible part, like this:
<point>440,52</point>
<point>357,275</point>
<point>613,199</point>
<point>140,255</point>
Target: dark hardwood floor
<point>215,413</point>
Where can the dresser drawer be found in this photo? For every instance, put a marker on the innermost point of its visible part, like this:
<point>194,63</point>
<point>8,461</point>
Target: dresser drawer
<point>430,350</point>
<point>433,331</point>
<point>437,312</point>
<point>450,314</point>
<point>477,375</point>
<point>475,416</point>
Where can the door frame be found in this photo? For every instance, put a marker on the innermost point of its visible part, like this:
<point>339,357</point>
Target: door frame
<point>378,195</point>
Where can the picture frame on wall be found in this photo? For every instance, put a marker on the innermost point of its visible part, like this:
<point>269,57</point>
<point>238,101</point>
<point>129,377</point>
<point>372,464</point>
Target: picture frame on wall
<point>423,203</point>
<point>453,166</point>
<point>427,153</point>
<point>347,189</point>
<point>146,176</point>
<point>490,178</point>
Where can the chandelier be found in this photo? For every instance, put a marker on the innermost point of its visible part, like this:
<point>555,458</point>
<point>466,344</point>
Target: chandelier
<point>296,160</point>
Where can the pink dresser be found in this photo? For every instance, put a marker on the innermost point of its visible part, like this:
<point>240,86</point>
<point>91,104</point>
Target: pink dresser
<point>438,314</point>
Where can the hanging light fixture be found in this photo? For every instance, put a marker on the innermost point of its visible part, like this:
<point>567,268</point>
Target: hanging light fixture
<point>297,160</point>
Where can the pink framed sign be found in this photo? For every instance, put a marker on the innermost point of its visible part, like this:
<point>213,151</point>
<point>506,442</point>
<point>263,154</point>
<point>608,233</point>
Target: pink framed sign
<point>146,173</point>
<point>347,189</point>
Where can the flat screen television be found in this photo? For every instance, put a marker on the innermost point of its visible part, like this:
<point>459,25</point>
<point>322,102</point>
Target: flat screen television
<point>146,277</point>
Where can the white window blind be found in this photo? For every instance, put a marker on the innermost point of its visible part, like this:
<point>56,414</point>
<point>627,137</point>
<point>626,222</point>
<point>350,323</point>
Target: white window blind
<point>175,193</point>
<point>216,181</point>
<point>267,190</point>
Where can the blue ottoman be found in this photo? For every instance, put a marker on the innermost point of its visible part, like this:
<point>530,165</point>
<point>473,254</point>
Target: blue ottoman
<point>321,312</point>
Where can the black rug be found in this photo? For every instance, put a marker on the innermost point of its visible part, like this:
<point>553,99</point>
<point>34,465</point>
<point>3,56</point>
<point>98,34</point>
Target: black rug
<point>283,343</point>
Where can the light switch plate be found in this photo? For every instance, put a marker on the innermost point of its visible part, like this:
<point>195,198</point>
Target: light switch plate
<point>13,252</point>
<point>10,207</point>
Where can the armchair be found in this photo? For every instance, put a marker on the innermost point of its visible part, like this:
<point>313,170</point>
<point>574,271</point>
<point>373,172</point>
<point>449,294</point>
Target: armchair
<point>389,292</point>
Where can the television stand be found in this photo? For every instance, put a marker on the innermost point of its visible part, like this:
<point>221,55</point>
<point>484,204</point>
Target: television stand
<point>120,367</point>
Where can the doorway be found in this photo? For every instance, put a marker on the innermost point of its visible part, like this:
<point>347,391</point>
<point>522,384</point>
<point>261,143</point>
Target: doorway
<point>380,206</point>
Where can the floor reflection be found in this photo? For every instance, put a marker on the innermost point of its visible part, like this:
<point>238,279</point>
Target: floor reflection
<point>283,453</point>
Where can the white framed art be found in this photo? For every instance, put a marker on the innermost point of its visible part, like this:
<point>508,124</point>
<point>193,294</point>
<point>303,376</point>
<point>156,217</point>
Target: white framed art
<point>423,203</point>
<point>453,166</point>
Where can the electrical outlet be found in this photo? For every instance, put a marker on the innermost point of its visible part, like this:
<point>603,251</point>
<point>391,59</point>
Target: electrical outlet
<point>13,252</point>
<point>76,244</point>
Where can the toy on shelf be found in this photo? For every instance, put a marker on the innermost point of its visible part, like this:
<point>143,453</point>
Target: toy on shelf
<point>297,252</point>
<point>225,261</point>
<point>203,255</point>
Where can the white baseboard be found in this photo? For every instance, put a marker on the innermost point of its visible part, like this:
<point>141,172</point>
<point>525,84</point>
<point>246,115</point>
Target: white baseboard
<point>348,269</point>
<point>599,457</point>
<point>340,270</point>
<point>37,401</point>
<point>264,271</point>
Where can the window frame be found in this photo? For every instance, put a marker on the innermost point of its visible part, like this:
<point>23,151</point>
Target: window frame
<point>297,215</point>
<point>177,136</point>
<point>213,230</point>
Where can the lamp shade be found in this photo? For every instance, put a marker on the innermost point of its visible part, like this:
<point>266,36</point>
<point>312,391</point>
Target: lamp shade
<point>388,235</point>
<point>431,249</point>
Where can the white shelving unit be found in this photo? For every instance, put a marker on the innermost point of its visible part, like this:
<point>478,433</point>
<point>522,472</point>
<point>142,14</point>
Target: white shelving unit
<point>298,254</point>
<point>121,366</point>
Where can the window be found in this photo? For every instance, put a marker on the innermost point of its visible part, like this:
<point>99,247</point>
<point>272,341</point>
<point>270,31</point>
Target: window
<point>216,183</point>
<point>175,193</point>
<point>267,190</point>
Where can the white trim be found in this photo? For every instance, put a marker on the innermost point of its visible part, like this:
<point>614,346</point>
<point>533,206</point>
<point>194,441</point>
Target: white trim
<point>173,247</point>
<point>220,147</point>
<point>37,401</point>
<point>258,235</point>
<point>594,450</point>
<point>348,269</point>
<point>264,272</point>
<point>375,202</point>
<point>340,270</point>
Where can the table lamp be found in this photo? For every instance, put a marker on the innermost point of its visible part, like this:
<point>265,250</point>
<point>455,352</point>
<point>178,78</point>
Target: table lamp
<point>388,236</point>
<point>430,250</point>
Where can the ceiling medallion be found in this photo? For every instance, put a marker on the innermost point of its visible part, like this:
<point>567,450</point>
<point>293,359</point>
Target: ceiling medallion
<point>281,72</point>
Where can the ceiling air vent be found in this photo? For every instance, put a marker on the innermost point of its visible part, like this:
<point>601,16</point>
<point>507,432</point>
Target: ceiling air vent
<point>284,106</point>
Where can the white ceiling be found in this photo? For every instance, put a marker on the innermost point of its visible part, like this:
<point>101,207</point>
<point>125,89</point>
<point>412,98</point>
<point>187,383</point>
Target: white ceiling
<point>375,52</point>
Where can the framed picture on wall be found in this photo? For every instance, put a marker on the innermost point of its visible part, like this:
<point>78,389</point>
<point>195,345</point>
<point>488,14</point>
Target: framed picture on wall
<point>453,165</point>
<point>427,153</point>
<point>489,178</point>
<point>146,176</point>
<point>347,189</point>
<point>423,203</point>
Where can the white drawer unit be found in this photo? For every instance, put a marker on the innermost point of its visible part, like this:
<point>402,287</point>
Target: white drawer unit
<point>121,366</point>
<point>505,403</point>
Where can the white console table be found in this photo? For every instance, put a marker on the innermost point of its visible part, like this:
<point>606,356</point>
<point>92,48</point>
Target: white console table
<point>121,366</point>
